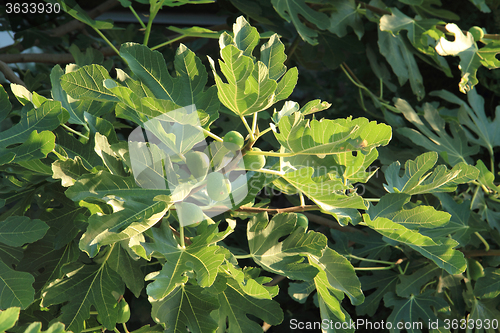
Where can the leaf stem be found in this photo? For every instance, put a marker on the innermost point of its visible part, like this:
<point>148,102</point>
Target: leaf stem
<point>148,28</point>
<point>107,41</point>
<point>373,268</point>
<point>125,328</point>
<point>271,172</point>
<point>252,137</point>
<point>270,153</point>
<point>97,328</point>
<point>486,245</point>
<point>373,260</point>
<point>264,131</point>
<point>116,330</point>
<point>137,17</point>
<point>302,200</point>
<point>243,256</point>
<point>181,236</point>
<point>350,75</point>
<point>74,132</point>
<point>170,41</point>
<point>212,135</point>
<point>372,199</point>
<point>254,123</point>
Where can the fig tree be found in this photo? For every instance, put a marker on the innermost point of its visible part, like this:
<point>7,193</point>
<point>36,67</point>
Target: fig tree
<point>218,187</point>
<point>198,163</point>
<point>254,162</point>
<point>233,141</point>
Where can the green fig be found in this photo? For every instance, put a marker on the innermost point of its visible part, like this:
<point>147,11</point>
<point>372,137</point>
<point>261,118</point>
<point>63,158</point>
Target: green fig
<point>123,312</point>
<point>198,163</point>
<point>189,214</point>
<point>476,270</point>
<point>218,187</point>
<point>477,33</point>
<point>302,221</point>
<point>233,141</point>
<point>254,162</point>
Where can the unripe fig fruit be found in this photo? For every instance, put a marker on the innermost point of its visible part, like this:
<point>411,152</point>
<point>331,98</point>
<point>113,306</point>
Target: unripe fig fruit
<point>302,221</point>
<point>198,163</point>
<point>233,141</point>
<point>477,33</point>
<point>123,312</point>
<point>218,187</point>
<point>254,162</point>
<point>476,270</point>
<point>189,214</point>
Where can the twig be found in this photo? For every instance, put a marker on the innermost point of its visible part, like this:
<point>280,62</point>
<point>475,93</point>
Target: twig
<point>481,253</point>
<point>277,210</point>
<point>57,58</point>
<point>277,279</point>
<point>10,75</point>
<point>187,241</point>
<point>77,25</point>
<point>311,217</point>
<point>332,224</point>
<point>442,28</point>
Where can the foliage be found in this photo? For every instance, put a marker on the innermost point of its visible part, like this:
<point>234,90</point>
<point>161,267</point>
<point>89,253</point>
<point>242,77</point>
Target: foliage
<point>134,197</point>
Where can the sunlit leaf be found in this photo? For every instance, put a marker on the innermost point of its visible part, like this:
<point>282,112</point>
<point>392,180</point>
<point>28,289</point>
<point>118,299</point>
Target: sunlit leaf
<point>417,178</point>
<point>86,286</point>
<point>286,257</point>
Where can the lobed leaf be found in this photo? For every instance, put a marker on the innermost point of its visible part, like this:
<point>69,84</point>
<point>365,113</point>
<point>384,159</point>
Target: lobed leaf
<point>251,86</point>
<point>185,307</point>
<point>391,206</point>
<point>440,250</point>
<point>402,61</point>
<point>384,282</point>
<point>133,218</point>
<point>336,274</point>
<point>410,285</point>
<point>303,137</point>
<point>8,318</point>
<point>471,57</point>
<point>87,83</point>
<point>204,260</point>
<point>236,304</point>
<point>188,85</point>
<point>416,178</point>
<point>15,288</point>
<point>454,149</point>
<point>290,11</point>
<point>286,257</point>
<point>19,230</point>
<point>346,14</point>
<point>414,309</point>
<point>86,286</point>
<point>488,286</point>
<point>327,193</point>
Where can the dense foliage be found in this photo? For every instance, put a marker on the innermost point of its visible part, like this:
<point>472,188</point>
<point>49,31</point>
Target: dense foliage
<point>312,162</point>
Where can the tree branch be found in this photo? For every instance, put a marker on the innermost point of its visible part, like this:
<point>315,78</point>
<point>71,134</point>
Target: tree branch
<point>70,26</point>
<point>52,58</point>
<point>10,75</point>
<point>381,11</point>
<point>77,25</point>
